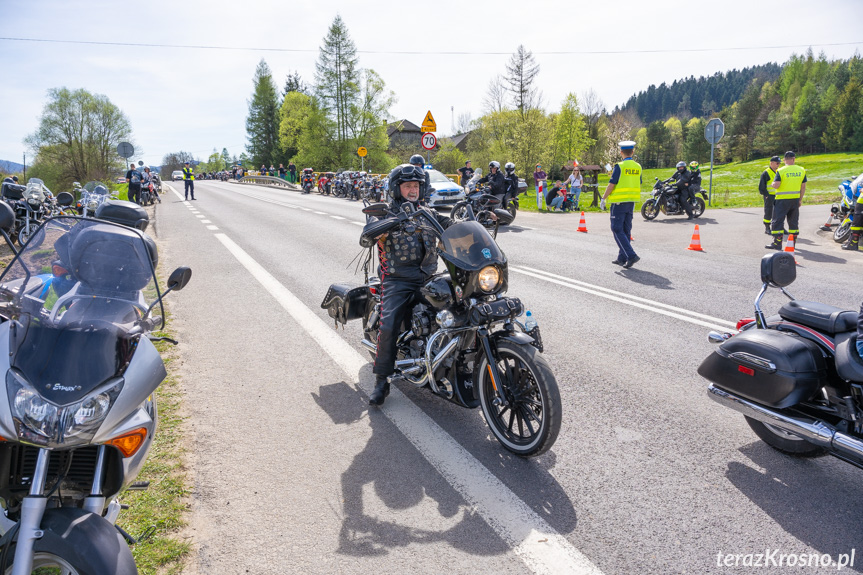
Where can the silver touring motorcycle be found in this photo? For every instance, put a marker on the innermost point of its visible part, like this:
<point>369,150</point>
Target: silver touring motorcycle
<point>77,305</point>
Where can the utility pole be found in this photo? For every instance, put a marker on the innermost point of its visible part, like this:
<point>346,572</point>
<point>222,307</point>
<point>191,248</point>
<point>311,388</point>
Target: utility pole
<point>452,119</point>
<point>25,167</point>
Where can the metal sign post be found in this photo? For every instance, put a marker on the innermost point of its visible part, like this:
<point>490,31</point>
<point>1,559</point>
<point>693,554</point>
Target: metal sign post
<point>713,132</point>
<point>428,141</point>
<point>361,152</point>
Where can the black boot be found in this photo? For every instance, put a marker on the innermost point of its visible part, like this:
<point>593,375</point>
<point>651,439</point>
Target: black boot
<point>777,243</point>
<point>382,390</point>
<point>767,229</point>
<point>853,243</point>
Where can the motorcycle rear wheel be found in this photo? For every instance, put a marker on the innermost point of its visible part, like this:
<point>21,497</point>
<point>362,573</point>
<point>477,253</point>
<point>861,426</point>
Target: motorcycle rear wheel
<point>649,210</point>
<point>513,211</point>
<point>532,395</point>
<point>698,207</point>
<point>842,232</point>
<point>783,441</point>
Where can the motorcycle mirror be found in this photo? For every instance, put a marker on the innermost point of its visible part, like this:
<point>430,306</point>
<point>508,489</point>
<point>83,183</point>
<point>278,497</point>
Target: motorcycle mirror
<point>179,278</point>
<point>503,217</point>
<point>377,210</point>
<point>65,199</point>
<point>778,270</point>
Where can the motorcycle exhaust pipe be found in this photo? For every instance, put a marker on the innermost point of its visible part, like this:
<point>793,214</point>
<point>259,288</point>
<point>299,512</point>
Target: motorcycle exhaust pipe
<point>369,345</point>
<point>812,430</point>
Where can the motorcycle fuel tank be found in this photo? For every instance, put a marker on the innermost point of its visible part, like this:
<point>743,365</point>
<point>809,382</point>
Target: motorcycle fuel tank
<point>438,292</point>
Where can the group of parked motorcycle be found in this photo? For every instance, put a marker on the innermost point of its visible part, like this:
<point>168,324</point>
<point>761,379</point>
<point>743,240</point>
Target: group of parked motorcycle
<point>350,185</point>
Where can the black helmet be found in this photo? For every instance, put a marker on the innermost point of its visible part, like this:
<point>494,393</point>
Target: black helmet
<point>404,173</point>
<point>509,167</point>
<point>417,160</point>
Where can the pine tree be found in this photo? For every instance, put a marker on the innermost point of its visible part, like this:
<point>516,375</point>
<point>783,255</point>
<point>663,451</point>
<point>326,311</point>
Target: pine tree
<point>262,123</point>
<point>522,70</point>
<point>337,79</point>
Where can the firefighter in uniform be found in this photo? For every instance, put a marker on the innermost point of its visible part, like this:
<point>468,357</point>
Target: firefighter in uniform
<point>624,189</point>
<point>790,185</point>
<point>853,242</point>
<point>188,180</point>
<point>408,258</point>
<point>765,188</point>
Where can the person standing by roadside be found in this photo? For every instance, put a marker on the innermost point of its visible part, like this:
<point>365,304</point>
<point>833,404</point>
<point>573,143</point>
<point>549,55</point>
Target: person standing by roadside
<point>624,189</point>
<point>188,180</point>
<point>466,173</point>
<point>574,182</point>
<point>765,188</point>
<point>234,172</point>
<point>133,178</point>
<point>292,170</point>
<point>282,171</point>
<point>790,186</point>
<point>540,178</point>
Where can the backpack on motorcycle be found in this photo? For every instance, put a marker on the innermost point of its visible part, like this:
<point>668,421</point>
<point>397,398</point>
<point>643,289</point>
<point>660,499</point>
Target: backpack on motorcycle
<point>344,303</point>
<point>124,213</point>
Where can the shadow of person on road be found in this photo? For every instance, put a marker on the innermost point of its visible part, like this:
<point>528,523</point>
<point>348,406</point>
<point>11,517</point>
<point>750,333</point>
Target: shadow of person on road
<point>815,500</point>
<point>392,497</point>
<point>510,229</point>
<point>820,258</point>
<point>645,278</point>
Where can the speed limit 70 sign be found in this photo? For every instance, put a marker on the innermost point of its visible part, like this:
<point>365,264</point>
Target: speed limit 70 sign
<point>429,141</point>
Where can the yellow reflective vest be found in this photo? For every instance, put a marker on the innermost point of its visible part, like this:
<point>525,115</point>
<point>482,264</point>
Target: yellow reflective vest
<point>790,182</point>
<point>628,188</point>
<point>771,175</point>
<point>188,174</point>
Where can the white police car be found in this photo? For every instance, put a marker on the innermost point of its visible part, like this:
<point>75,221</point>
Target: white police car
<point>444,192</point>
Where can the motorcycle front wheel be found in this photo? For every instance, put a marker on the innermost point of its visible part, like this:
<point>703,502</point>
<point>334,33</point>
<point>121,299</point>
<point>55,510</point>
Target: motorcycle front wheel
<point>649,210</point>
<point>529,421</point>
<point>842,232</point>
<point>24,235</point>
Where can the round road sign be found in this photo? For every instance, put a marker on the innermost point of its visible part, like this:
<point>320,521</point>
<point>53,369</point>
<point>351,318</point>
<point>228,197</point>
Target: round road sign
<point>125,150</point>
<point>362,152</point>
<point>429,141</point>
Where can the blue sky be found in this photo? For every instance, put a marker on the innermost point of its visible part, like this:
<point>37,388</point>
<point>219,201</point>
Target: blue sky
<point>196,99</point>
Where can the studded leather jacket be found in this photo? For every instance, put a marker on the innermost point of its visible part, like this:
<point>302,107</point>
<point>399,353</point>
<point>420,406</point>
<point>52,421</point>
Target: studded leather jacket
<point>410,253</point>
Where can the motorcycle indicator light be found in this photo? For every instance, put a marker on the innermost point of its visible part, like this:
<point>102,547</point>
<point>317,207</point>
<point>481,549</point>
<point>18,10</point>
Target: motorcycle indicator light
<point>59,271</point>
<point>130,443</point>
<point>741,323</point>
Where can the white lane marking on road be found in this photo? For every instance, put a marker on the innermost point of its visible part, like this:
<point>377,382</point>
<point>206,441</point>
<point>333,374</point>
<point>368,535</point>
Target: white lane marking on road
<point>358,224</point>
<point>635,301</point>
<point>321,213</point>
<point>206,222</point>
<point>306,209</point>
<point>338,218</point>
<point>212,227</point>
<point>542,548</point>
<point>200,216</point>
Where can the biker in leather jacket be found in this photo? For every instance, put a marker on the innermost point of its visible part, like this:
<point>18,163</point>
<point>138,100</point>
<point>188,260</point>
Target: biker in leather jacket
<point>682,176</point>
<point>495,180</point>
<point>408,257</point>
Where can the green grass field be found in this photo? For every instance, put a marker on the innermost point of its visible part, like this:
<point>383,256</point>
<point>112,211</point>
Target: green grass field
<point>736,185</point>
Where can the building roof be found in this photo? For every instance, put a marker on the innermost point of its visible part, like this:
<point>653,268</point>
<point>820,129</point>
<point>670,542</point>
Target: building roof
<point>402,126</point>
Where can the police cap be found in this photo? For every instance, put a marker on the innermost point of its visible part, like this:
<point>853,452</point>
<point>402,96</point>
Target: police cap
<point>775,159</point>
<point>790,154</point>
<point>626,145</point>
<point>186,162</point>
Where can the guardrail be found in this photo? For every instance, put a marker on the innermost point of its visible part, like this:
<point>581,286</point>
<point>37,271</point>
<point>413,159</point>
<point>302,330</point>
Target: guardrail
<point>269,181</point>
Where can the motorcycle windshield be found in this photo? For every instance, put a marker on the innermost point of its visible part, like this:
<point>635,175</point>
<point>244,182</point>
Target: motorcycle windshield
<point>75,294</point>
<point>470,247</point>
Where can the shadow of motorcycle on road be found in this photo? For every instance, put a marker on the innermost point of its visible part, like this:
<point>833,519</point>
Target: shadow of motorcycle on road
<point>392,497</point>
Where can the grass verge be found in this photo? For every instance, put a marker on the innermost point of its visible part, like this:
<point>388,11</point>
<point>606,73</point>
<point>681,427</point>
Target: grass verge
<point>161,508</point>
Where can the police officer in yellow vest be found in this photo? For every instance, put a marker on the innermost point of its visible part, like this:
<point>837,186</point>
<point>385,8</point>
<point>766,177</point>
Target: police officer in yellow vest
<point>853,242</point>
<point>188,180</point>
<point>765,188</point>
<point>624,189</point>
<point>790,186</point>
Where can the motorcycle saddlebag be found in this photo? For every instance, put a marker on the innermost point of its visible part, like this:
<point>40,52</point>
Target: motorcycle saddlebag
<point>344,303</point>
<point>124,213</point>
<point>768,367</point>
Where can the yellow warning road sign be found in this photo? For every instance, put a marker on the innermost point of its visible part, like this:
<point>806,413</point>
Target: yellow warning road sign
<point>361,152</point>
<point>429,124</point>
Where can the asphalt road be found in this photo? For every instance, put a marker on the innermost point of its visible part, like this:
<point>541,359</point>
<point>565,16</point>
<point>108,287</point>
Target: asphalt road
<point>292,473</point>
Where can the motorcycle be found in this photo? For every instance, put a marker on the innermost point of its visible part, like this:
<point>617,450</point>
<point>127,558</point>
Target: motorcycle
<point>511,203</point>
<point>80,374</point>
<point>462,339</point>
<point>325,183</point>
<point>666,200</point>
<point>478,207</point>
<point>93,194</point>
<point>308,181</point>
<point>796,377</point>
<point>843,211</point>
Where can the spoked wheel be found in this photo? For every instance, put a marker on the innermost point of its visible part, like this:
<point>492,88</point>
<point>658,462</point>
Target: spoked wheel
<point>459,212</point>
<point>50,564</point>
<point>783,441</point>
<point>24,235</point>
<point>842,232</point>
<point>649,210</point>
<point>528,422</point>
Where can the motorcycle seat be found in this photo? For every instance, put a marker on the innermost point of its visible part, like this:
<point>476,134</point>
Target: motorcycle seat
<point>822,317</point>
<point>849,365</point>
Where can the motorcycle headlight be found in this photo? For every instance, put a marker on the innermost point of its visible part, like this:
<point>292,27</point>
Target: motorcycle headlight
<point>489,278</point>
<point>41,422</point>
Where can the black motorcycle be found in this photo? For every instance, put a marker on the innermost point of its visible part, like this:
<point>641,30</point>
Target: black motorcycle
<point>666,199</point>
<point>796,377</point>
<point>462,339</point>
<point>479,206</point>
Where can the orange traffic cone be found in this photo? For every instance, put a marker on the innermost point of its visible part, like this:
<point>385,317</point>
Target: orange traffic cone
<point>582,225</point>
<point>789,246</point>
<point>695,244</point>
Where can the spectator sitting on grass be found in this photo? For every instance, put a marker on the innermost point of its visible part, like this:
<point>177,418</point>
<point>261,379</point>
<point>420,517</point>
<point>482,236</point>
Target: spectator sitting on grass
<point>555,197</point>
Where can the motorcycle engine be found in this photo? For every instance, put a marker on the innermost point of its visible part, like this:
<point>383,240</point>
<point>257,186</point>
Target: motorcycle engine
<point>421,321</point>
